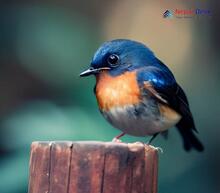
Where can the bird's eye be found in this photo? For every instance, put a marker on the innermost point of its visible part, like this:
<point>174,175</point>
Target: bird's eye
<point>112,60</point>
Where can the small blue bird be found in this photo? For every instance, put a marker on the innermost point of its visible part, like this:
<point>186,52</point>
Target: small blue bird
<point>138,94</point>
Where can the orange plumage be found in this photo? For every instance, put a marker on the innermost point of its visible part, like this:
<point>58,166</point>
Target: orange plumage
<point>117,91</point>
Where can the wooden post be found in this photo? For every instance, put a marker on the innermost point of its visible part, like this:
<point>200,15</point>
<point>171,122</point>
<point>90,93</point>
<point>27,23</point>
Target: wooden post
<point>92,167</point>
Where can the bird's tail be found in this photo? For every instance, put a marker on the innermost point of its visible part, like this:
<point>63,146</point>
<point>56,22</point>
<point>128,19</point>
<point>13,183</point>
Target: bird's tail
<point>189,139</point>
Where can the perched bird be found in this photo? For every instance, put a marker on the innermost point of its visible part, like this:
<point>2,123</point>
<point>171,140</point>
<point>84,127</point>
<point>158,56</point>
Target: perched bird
<point>138,94</point>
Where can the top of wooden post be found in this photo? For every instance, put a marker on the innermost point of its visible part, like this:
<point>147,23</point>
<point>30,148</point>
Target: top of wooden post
<point>92,166</point>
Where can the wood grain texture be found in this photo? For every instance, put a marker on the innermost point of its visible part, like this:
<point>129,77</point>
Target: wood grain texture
<point>59,167</point>
<point>92,167</point>
<point>40,167</point>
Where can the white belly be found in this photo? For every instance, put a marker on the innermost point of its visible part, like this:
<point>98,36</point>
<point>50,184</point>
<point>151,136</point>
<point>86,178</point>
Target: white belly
<point>140,121</point>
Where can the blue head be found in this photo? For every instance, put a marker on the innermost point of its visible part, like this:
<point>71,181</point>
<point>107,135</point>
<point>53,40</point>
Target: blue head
<point>118,56</point>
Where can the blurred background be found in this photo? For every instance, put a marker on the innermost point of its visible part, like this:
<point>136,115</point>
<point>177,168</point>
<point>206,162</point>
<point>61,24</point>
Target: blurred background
<point>44,45</point>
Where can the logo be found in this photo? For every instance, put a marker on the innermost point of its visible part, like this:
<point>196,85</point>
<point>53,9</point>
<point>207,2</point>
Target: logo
<point>168,14</point>
<point>187,13</point>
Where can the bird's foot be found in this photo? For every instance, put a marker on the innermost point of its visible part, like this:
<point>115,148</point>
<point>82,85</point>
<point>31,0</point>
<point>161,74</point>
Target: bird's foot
<point>116,140</point>
<point>159,149</point>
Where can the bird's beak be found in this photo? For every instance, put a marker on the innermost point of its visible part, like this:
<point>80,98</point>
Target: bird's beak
<point>91,71</point>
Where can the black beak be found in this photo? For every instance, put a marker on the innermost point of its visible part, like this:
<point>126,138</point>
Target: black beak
<point>91,71</point>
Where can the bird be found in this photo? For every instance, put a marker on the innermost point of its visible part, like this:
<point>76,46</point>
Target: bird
<point>138,94</point>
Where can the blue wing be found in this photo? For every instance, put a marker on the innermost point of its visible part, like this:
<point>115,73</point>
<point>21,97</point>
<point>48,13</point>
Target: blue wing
<point>165,89</point>
<point>162,82</point>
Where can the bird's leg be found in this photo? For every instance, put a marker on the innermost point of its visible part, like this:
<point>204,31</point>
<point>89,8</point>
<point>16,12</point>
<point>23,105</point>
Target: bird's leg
<point>152,138</point>
<point>117,138</point>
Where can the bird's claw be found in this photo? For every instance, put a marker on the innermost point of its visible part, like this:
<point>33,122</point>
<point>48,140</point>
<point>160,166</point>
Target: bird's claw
<point>116,140</point>
<point>159,149</point>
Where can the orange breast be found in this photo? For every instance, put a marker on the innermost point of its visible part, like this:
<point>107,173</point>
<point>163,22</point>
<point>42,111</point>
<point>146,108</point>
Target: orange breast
<point>116,91</point>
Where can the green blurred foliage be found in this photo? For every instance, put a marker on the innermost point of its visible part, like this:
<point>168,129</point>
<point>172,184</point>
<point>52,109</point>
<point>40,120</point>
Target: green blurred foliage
<point>43,49</point>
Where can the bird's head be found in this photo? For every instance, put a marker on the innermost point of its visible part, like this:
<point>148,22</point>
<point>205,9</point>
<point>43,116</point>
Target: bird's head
<point>119,56</point>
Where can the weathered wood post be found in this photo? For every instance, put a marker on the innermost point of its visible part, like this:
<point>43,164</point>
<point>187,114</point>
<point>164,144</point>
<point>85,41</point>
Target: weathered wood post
<point>92,167</point>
